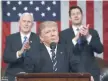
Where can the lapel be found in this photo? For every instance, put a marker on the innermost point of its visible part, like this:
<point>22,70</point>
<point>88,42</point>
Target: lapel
<point>71,32</point>
<point>45,53</point>
<point>59,52</point>
<point>18,42</point>
<point>31,37</point>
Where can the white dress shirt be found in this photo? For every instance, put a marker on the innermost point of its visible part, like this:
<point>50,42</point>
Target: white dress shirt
<point>76,32</point>
<point>49,51</point>
<point>22,39</point>
<point>22,36</point>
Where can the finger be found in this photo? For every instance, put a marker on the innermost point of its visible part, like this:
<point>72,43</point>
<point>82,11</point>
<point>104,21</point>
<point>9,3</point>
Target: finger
<point>27,45</point>
<point>82,30</point>
<point>82,33</point>
<point>87,26</point>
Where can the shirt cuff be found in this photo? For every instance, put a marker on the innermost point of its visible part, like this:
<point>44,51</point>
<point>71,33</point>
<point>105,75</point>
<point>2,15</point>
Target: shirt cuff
<point>74,42</point>
<point>17,55</point>
<point>89,38</point>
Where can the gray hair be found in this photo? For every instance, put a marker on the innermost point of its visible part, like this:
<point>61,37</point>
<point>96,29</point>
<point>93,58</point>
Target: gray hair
<point>27,13</point>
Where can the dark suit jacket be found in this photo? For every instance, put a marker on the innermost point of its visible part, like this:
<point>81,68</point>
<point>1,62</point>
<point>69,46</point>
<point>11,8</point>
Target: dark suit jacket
<point>63,61</point>
<point>13,44</point>
<point>87,62</point>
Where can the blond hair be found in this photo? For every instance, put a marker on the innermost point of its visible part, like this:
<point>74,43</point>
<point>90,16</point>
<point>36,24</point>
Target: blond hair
<point>46,24</point>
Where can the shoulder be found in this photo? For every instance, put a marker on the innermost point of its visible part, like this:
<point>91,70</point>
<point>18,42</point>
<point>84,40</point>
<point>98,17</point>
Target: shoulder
<point>35,36</point>
<point>93,31</point>
<point>65,31</point>
<point>14,35</point>
<point>62,46</point>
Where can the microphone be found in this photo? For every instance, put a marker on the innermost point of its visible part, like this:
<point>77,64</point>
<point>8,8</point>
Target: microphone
<point>53,45</point>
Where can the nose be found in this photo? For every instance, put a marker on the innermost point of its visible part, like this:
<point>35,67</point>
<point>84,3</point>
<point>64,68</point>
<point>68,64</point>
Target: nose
<point>76,15</point>
<point>26,23</point>
<point>52,33</point>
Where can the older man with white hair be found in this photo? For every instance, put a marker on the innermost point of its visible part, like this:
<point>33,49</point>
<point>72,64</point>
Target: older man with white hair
<point>20,48</point>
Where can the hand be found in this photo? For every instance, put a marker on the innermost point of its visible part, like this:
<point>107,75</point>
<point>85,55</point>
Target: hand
<point>92,79</point>
<point>77,36</point>
<point>25,46</point>
<point>85,30</point>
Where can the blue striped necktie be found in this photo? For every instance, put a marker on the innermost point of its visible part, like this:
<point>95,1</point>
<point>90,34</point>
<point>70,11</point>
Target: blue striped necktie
<point>25,39</point>
<point>79,40</point>
<point>54,61</point>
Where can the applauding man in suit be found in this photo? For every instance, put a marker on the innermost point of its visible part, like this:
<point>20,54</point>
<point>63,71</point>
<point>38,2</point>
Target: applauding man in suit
<point>53,56</point>
<point>84,42</point>
<point>20,47</point>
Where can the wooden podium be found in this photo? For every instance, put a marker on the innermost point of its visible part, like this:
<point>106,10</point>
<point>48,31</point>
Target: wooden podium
<point>53,77</point>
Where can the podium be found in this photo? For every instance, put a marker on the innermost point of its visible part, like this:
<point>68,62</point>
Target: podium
<point>53,77</point>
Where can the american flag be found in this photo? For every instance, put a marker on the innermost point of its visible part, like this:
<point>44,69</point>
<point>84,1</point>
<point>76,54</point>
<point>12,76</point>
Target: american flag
<point>94,13</point>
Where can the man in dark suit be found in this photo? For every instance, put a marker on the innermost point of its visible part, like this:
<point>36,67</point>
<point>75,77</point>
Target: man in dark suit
<point>20,47</point>
<point>84,42</point>
<point>56,60</point>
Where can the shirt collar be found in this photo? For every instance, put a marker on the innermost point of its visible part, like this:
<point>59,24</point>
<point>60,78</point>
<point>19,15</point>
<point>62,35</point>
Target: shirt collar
<point>75,28</point>
<point>49,49</point>
<point>27,35</point>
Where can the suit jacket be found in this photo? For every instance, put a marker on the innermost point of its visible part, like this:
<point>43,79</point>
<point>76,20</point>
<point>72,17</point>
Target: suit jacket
<point>63,64</point>
<point>85,56</point>
<point>13,44</point>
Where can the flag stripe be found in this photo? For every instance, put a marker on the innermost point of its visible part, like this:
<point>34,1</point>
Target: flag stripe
<point>90,13</point>
<point>64,15</point>
<point>98,18</point>
<point>98,21</point>
<point>37,25</point>
<point>34,27</point>
<point>72,3</point>
<point>59,25</point>
<point>5,32</point>
<point>14,27</point>
<point>105,29</point>
<point>82,4</point>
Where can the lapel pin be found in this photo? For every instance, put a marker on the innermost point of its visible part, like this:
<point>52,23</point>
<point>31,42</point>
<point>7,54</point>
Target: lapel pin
<point>30,41</point>
<point>61,52</point>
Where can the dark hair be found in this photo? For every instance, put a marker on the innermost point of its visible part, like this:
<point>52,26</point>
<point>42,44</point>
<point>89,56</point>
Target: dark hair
<point>74,7</point>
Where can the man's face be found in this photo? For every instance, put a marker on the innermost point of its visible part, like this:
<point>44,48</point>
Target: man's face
<point>76,16</point>
<point>49,34</point>
<point>26,23</point>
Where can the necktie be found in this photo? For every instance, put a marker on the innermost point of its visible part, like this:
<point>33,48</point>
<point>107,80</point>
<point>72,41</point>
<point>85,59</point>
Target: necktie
<point>25,39</point>
<point>54,61</point>
<point>79,40</point>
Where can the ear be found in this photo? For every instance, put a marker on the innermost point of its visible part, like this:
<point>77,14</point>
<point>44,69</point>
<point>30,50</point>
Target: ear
<point>32,24</point>
<point>41,38</point>
<point>19,22</point>
<point>70,18</point>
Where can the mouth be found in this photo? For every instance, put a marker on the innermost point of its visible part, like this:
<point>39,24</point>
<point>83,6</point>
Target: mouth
<point>25,27</point>
<point>76,19</point>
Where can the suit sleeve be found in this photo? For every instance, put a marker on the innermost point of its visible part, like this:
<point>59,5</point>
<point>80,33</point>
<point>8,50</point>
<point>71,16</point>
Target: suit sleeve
<point>72,59</point>
<point>9,55</point>
<point>68,41</point>
<point>95,43</point>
